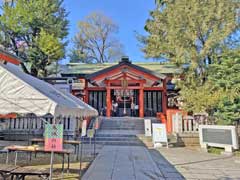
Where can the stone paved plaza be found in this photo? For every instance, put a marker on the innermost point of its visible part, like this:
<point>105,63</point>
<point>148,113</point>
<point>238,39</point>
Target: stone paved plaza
<point>196,164</point>
<point>123,163</point>
<point>140,163</point>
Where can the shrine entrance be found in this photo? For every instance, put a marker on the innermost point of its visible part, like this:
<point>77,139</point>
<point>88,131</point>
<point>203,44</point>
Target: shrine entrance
<point>126,89</point>
<point>127,101</point>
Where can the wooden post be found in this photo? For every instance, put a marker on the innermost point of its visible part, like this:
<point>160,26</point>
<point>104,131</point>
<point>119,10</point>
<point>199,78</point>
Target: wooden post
<point>164,97</point>
<point>108,102</point>
<point>141,102</point>
<point>86,92</point>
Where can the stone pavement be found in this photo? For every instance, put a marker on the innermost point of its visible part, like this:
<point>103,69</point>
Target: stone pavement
<point>196,164</point>
<point>123,163</point>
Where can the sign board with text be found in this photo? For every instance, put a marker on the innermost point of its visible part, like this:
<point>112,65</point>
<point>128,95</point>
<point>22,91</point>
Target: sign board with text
<point>90,133</point>
<point>218,136</point>
<point>84,128</point>
<point>159,134</point>
<point>53,137</point>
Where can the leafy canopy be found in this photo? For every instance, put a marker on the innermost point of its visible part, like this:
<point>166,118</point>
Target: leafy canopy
<point>189,31</point>
<point>34,30</point>
<point>205,36</point>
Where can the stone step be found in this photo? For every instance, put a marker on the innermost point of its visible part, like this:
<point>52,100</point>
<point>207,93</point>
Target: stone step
<point>119,127</point>
<point>122,124</point>
<point>121,143</point>
<point>114,135</point>
<point>120,131</point>
<point>115,128</point>
<point>115,139</point>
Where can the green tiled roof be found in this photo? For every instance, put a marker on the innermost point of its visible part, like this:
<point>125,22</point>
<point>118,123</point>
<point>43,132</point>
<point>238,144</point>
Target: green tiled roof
<point>81,68</point>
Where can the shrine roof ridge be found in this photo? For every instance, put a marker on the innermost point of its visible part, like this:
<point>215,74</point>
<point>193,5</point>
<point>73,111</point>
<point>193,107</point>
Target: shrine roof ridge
<point>151,67</point>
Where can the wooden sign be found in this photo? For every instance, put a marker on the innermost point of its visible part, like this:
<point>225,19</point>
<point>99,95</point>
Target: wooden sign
<point>53,137</point>
<point>124,83</point>
<point>159,134</point>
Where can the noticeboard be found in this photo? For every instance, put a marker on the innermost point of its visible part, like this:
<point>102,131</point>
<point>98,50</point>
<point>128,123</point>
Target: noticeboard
<point>159,133</point>
<point>90,133</point>
<point>84,128</point>
<point>218,136</point>
<point>53,137</point>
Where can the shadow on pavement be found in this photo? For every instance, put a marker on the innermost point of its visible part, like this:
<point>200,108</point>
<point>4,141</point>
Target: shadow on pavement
<point>208,160</point>
<point>165,167</point>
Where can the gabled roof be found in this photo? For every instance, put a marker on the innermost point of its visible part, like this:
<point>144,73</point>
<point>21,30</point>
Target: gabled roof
<point>6,56</point>
<point>75,69</point>
<point>125,61</point>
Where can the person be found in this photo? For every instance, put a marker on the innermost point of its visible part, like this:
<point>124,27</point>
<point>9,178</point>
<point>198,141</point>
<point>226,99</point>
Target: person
<point>132,109</point>
<point>136,109</point>
<point>114,108</point>
<point>103,111</point>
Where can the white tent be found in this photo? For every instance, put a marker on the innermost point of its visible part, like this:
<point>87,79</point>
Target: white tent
<point>21,93</point>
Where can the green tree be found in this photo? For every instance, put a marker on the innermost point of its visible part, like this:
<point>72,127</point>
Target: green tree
<point>95,41</point>
<point>196,33</point>
<point>226,76</point>
<point>190,31</point>
<point>34,30</point>
<point>204,98</point>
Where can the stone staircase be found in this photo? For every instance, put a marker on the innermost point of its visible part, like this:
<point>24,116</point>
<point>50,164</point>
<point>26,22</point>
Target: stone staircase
<point>120,131</point>
<point>125,131</point>
<point>123,123</point>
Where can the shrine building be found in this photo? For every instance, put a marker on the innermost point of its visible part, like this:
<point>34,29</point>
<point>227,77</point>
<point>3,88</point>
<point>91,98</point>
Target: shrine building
<point>8,57</point>
<point>124,88</point>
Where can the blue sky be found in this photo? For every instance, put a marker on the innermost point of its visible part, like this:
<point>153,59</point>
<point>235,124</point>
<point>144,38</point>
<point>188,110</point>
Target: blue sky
<point>129,15</point>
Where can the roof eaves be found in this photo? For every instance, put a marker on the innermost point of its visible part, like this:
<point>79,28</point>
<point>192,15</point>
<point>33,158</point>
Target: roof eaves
<point>10,55</point>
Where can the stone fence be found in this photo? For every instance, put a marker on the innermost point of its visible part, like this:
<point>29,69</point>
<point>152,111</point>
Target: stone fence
<point>23,128</point>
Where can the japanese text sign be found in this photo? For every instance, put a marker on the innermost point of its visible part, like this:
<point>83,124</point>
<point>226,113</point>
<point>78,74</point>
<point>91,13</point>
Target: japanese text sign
<point>53,137</point>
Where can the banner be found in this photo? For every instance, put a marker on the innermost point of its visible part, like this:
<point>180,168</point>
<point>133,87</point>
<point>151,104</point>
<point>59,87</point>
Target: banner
<point>53,137</point>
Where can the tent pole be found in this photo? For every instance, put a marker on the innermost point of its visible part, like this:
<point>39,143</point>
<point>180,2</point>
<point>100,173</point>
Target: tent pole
<point>51,165</point>
<point>28,130</point>
<point>80,170</point>
<point>52,154</point>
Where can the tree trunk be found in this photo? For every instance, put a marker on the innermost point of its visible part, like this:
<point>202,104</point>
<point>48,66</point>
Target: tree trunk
<point>34,71</point>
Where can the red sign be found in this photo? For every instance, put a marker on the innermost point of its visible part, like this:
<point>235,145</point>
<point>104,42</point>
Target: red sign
<point>53,144</point>
<point>53,137</point>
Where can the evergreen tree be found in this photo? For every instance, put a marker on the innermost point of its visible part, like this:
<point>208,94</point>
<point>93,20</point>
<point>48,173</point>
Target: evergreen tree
<point>190,31</point>
<point>197,33</point>
<point>34,30</point>
<point>226,76</point>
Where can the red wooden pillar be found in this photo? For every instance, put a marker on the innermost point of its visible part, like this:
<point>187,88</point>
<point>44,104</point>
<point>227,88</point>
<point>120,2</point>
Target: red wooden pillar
<point>108,101</point>
<point>86,92</point>
<point>141,102</point>
<point>164,97</point>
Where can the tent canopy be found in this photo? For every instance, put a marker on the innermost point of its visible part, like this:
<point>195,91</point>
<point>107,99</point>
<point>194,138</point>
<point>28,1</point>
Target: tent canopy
<point>21,93</point>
